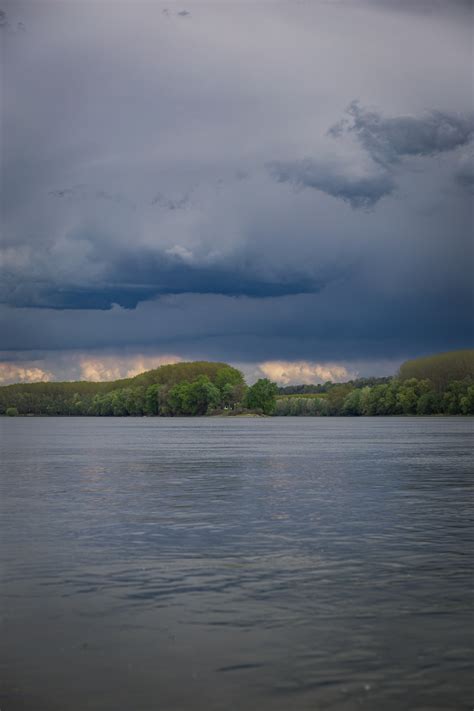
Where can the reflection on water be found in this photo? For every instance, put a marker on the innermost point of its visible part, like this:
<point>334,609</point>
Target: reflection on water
<point>169,565</point>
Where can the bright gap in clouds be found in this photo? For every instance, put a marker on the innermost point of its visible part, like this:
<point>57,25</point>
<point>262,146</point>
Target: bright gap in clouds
<point>78,366</point>
<point>114,368</point>
<point>304,372</point>
<point>23,373</point>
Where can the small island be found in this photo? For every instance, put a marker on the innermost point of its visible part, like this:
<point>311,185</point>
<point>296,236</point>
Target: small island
<point>442,384</point>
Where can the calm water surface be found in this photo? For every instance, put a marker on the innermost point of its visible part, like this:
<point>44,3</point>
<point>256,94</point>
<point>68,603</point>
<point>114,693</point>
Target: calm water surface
<point>287,564</point>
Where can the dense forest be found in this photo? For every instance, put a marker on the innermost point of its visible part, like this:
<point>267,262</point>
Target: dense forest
<point>442,384</point>
<point>438,385</point>
<point>198,388</point>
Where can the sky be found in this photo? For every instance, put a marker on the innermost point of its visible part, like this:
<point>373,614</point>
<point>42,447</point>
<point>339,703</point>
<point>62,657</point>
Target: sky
<point>285,186</point>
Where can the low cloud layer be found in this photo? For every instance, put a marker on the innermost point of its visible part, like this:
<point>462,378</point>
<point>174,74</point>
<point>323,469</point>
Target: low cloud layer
<point>24,373</point>
<point>290,373</point>
<point>46,367</point>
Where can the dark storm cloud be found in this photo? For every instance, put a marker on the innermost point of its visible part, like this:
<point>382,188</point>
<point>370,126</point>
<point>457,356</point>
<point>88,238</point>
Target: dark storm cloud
<point>387,140</point>
<point>349,322</point>
<point>150,276</point>
<point>358,191</point>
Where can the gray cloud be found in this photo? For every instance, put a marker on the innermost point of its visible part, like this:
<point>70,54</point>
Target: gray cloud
<point>358,191</point>
<point>387,140</point>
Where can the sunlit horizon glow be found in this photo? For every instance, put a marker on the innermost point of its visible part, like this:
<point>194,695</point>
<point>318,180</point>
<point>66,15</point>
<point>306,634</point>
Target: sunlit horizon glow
<point>304,372</point>
<point>73,366</point>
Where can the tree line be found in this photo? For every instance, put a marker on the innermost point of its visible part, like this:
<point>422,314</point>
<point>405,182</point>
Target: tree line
<point>183,389</point>
<point>205,388</point>
<point>397,397</point>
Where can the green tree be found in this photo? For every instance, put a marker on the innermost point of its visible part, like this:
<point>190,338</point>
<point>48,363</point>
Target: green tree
<point>77,405</point>
<point>135,401</point>
<point>467,401</point>
<point>119,402</point>
<point>11,412</point>
<point>231,385</point>
<point>152,403</point>
<point>352,403</point>
<point>336,396</point>
<point>429,404</point>
<point>407,397</point>
<point>455,392</point>
<point>441,369</point>
<point>177,402</point>
<point>262,396</point>
<point>203,396</point>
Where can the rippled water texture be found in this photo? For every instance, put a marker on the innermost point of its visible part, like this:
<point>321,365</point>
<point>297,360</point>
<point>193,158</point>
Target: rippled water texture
<point>289,564</point>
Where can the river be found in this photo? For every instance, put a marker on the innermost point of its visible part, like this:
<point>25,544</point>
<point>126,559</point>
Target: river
<point>286,564</point>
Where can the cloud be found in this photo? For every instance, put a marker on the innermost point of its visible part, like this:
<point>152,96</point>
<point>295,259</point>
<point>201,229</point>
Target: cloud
<point>113,367</point>
<point>360,191</point>
<point>25,373</point>
<point>93,366</point>
<point>47,366</point>
<point>303,372</point>
<point>131,278</point>
<point>387,140</point>
<point>368,318</point>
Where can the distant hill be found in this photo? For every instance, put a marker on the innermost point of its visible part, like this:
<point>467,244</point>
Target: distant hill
<point>137,395</point>
<point>440,369</point>
<point>164,375</point>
